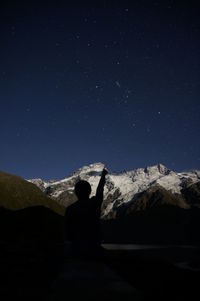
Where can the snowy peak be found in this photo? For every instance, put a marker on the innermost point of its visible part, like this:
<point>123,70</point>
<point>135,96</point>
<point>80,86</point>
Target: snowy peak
<point>159,168</point>
<point>91,169</point>
<point>39,183</point>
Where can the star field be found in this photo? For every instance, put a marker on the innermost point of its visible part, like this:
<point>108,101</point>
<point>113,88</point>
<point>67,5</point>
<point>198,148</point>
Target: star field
<point>113,82</point>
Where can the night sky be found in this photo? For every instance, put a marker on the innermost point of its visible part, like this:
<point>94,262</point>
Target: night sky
<point>116,82</point>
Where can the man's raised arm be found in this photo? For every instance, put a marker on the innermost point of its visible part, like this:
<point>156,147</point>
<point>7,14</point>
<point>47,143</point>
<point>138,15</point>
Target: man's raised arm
<point>100,188</point>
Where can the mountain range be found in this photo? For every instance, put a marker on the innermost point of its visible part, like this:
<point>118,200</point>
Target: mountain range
<point>128,191</point>
<point>143,205</point>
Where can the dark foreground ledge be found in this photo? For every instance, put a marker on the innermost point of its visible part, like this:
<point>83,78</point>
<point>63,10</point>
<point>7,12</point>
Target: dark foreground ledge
<point>31,271</point>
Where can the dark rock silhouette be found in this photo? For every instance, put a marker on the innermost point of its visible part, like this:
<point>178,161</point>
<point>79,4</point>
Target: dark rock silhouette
<point>192,194</point>
<point>31,252</point>
<point>31,224</point>
<point>164,224</point>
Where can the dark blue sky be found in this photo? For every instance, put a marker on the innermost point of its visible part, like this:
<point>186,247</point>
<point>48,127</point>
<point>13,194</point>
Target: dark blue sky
<point>110,81</point>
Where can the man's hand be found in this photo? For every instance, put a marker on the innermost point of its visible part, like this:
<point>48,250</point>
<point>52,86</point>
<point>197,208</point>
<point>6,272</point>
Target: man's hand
<point>104,172</point>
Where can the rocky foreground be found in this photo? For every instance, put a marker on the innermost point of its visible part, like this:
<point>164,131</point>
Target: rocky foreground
<point>36,272</point>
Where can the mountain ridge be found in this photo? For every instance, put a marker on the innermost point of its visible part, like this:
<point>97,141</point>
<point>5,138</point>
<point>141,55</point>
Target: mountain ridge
<point>121,187</point>
<point>136,207</point>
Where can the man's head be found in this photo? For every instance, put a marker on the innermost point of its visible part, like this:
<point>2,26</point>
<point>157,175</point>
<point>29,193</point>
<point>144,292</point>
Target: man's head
<point>82,189</point>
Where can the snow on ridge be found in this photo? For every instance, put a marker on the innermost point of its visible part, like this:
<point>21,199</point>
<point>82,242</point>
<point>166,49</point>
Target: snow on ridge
<point>60,181</point>
<point>95,167</point>
<point>127,182</point>
<point>35,180</point>
<point>120,187</point>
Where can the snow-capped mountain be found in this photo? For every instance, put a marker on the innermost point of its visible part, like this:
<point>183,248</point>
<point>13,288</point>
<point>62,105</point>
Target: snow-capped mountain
<point>120,188</point>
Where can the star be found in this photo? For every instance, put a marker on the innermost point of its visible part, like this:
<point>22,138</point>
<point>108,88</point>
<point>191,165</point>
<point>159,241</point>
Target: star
<point>117,83</point>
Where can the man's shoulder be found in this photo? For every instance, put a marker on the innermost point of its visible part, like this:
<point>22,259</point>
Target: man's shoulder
<point>71,208</point>
<point>93,201</point>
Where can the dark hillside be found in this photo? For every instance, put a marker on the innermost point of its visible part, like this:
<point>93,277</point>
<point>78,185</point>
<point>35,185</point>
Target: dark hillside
<point>16,193</point>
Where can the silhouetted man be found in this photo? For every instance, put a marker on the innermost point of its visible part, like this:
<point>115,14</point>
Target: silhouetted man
<point>83,219</point>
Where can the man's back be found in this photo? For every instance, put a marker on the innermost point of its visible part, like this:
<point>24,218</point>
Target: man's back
<point>83,224</point>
